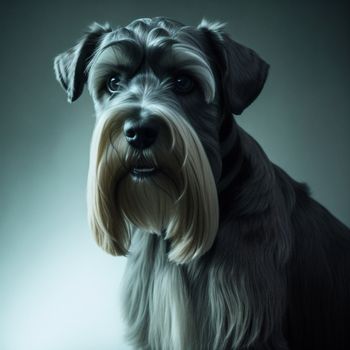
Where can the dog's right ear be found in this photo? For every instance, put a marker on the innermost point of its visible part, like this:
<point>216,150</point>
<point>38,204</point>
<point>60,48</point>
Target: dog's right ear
<point>70,66</point>
<point>242,71</point>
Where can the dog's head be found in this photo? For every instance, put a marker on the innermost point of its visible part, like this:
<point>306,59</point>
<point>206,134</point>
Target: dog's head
<point>162,92</point>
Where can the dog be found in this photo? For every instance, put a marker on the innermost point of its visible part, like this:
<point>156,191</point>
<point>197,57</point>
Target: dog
<point>225,250</point>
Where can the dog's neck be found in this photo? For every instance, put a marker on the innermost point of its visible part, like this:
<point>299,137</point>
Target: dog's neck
<point>244,166</point>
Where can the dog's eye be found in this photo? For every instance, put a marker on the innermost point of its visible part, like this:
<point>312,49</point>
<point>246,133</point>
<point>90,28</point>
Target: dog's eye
<point>113,84</point>
<point>183,84</point>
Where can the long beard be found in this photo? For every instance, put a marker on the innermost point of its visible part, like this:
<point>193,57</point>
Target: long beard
<point>179,201</point>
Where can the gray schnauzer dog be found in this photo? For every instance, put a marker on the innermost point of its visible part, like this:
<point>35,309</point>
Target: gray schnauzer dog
<point>225,250</point>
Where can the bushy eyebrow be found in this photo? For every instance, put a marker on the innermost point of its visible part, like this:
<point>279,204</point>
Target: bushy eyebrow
<point>116,56</point>
<point>122,52</point>
<point>186,58</point>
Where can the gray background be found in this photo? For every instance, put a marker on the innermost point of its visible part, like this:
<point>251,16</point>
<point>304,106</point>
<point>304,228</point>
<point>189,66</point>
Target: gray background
<point>58,290</point>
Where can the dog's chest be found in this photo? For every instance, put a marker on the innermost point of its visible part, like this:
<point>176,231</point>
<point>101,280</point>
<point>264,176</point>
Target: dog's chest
<point>156,298</point>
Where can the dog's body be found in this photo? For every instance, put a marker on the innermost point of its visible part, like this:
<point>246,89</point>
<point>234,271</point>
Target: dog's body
<point>225,250</point>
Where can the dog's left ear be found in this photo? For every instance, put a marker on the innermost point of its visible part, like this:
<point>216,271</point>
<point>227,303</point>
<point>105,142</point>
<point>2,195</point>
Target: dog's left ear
<point>70,66</point>
<point>243,72</point>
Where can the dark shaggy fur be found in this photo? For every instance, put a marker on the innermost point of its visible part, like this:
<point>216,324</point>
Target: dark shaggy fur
<point>317,272</point>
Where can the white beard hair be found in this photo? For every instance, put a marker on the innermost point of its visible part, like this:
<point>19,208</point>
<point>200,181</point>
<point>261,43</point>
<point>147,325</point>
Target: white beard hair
<point>181,200</point>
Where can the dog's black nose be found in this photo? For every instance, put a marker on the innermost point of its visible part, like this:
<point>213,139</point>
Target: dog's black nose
<point>141,134</point>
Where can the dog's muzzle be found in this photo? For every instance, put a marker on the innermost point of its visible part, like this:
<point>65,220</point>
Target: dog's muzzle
<point>141,135</point>
<point>149,170</point>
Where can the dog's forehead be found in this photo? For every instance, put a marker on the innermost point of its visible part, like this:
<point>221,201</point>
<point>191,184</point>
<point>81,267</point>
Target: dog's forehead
<point>144,25</point>
<point>144,30</point>
<point>152,36</point>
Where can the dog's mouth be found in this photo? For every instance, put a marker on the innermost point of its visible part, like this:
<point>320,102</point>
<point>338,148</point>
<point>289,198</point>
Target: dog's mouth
<point>143,171</point>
